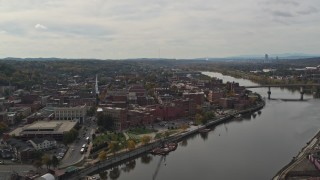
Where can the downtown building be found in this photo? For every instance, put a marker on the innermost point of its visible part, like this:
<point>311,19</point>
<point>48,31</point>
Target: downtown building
<point>71,113</point>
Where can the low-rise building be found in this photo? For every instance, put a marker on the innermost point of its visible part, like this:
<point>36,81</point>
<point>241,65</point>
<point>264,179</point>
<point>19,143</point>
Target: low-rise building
<point>43,143</point>
<point>22,150</point>
<point>40,129</point>
<point>71,113</point>
<point>4,116</point>
<point>11,118</point>
<point>197,97</point>
<point>23,111</point>
<point>119,115</point>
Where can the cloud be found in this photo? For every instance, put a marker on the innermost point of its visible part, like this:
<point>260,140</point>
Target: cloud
<point>3,32</point>
<point>40,26</point>
<point>281,2</point>
<point>309,10</point>
<point>282,14</point>
<point>88,30</point>
<point>138,28</point>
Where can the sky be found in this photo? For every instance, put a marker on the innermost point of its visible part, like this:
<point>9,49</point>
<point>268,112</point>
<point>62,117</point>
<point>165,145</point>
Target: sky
<point>119,29</point>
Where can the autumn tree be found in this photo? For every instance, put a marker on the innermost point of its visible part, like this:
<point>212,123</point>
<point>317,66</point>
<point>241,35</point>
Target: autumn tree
<point>46,160</point>
<point>199,118</point>
<point>131,144</point>
<point>184,127</point>
<point>102,155</point>
<point>145,139</point>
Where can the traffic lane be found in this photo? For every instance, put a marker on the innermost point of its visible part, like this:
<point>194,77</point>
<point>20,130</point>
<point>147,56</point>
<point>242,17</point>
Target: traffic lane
<point>73,155</point>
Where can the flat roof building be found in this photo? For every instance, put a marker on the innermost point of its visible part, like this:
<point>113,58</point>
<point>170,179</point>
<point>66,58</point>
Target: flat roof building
<point>54,129</point>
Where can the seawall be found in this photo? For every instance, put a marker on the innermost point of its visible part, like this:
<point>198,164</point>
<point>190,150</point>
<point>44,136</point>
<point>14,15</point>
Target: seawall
<point>118,158</point>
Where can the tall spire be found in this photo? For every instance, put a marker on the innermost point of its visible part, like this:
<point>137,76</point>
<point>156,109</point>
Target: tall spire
<point>96,86</point>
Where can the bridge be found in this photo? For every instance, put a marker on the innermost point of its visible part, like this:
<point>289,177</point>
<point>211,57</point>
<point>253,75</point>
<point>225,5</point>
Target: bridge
<point>269,86</point>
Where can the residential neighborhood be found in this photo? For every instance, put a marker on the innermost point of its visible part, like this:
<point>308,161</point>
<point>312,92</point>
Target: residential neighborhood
<point>76,118</point>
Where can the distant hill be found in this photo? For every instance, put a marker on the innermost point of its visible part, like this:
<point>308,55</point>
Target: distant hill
<point>283,56</point>
<point>274,56</point>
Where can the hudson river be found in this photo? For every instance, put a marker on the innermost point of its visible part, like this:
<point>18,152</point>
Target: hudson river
<point>251,148</point>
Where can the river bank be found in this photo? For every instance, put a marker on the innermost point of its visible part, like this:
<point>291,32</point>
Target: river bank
<point>303,153</point>
<point>254,147</point>
<point>122,157</point>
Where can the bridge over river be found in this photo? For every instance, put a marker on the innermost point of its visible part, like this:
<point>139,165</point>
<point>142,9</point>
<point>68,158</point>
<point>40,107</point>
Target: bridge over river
<point>301,86</point>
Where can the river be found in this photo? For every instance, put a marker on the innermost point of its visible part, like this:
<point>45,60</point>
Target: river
<point>253,148</point>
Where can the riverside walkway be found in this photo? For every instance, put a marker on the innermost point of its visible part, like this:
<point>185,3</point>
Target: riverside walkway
<point>118,158</point>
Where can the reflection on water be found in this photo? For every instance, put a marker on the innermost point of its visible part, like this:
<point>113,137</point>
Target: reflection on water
<point>246,116</point>
<point>204,135</point>
<point>114,173</point>
<point>146,158</point>
<point>184,143</point>
<point>103,174</point>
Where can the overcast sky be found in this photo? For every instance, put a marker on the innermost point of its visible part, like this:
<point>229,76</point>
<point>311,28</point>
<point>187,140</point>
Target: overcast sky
<point>157,28</point>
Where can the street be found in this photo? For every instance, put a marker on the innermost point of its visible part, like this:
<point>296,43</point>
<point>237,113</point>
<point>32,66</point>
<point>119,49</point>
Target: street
<point>73,154</point>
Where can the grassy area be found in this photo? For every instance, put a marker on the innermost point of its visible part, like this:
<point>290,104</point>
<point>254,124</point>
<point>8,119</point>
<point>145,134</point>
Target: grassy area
<point>165,134</point>
<point>139,130</point>
<point>108,137</point>
<point>134,137</point>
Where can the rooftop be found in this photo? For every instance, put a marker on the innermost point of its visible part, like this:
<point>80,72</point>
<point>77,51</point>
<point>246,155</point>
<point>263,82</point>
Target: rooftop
<point>45,126</point>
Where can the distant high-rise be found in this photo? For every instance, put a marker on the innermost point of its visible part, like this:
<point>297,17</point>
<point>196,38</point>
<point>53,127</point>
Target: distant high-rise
<point>97,91</point>
<point>96,86</point>
<point>266,57</point>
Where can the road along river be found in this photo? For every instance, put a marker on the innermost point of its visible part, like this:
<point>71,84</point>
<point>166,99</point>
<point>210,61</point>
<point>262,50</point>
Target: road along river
<point>251,148</point>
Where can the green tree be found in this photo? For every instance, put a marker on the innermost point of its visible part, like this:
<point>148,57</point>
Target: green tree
<point>55,161</point>
<point>209,115</point>
<point>199,119</point>
<point>3,127</point>
<point>114,147</point>
<point>19,118</point>
<point>69,137</point>
<point>91,111</point>
<point>105,121</point>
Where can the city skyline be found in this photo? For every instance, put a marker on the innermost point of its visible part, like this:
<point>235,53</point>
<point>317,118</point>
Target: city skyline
<point>143,29</point>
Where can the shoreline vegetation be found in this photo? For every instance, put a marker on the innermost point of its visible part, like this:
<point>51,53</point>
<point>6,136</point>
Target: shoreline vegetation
<point>127,155</point>
<point>254,77</point>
